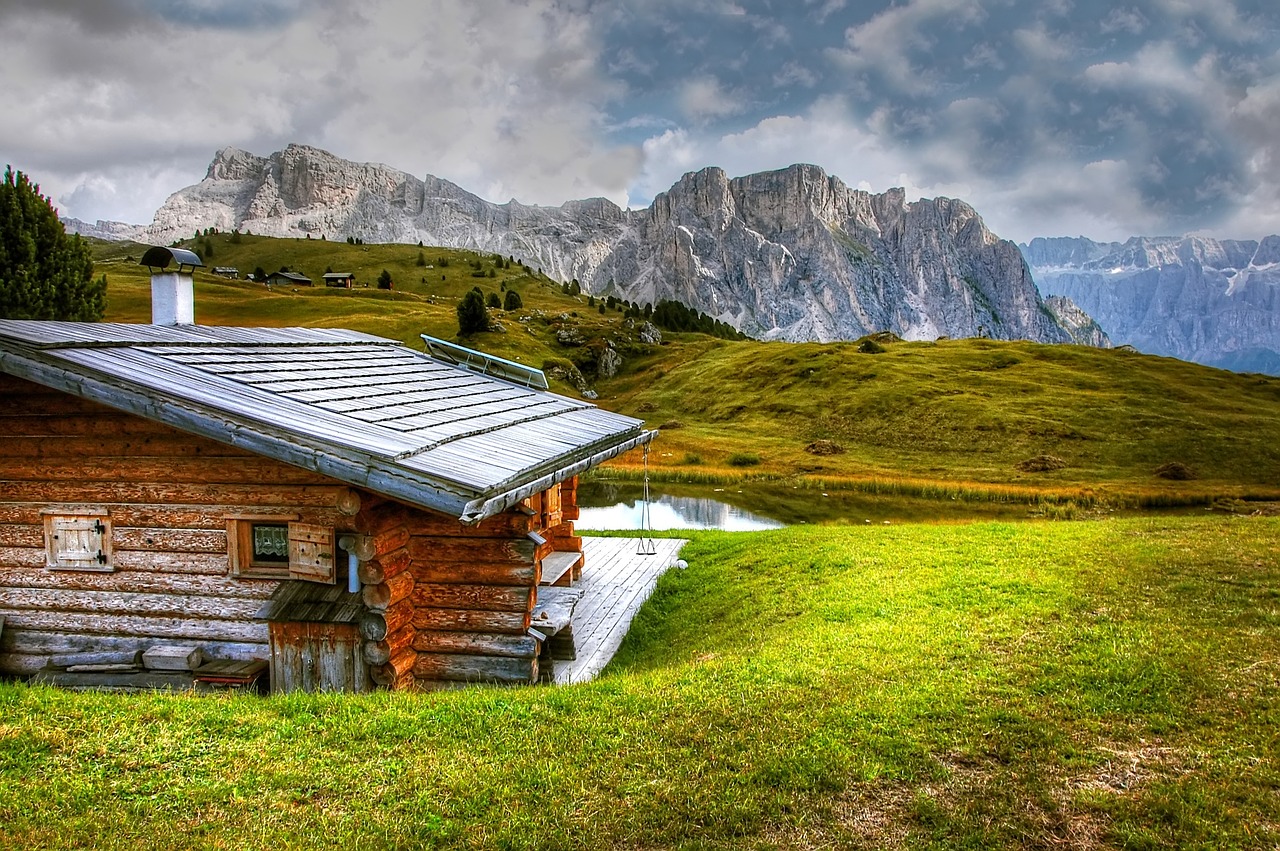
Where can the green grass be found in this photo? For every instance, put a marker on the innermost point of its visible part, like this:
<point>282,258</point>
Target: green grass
<point>944,420</point>
<point>1108,684</point>
<point>960,415</point>
<point>422,301</point>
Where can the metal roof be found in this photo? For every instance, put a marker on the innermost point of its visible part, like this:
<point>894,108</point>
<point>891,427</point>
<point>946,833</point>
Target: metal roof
<point>365,410</point>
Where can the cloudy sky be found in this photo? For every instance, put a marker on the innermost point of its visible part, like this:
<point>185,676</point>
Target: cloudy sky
<point>1053,117</point>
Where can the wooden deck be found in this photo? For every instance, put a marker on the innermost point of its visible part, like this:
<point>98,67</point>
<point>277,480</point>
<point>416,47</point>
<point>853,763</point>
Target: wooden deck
<point>615,581</point>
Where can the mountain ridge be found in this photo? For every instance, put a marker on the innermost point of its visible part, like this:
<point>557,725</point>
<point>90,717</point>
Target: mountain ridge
<point>792,254</point>
<point>1212,301</point>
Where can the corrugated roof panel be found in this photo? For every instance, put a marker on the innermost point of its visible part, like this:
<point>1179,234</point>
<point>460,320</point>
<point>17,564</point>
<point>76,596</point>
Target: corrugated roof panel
<point>407,394</point>
<point>213,392</point>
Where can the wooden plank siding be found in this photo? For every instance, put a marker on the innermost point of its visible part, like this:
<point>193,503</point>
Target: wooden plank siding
<point>167,494</point>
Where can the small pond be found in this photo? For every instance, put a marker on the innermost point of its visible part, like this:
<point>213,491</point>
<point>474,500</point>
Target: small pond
<point>672,512</point>
<point>754,506</point>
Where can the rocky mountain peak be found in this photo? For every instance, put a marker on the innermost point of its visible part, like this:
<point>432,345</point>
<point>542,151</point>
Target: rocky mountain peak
<point>234,164</point>
<point>1207,300</point>
<point>791,254</point>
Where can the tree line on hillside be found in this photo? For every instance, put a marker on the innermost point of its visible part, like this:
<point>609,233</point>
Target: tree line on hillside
<point>674,316</point>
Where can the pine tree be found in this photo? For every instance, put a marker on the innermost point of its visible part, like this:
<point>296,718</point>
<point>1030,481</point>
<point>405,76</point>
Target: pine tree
<point>384,280</point>
<point>44,273</point>
<point>472,316</point>
<point>513,301</point>
<point>493,301</point>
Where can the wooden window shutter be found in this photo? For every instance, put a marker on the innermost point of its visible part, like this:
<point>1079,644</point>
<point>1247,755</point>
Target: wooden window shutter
<point>311,554</point>
<point>78,543</point>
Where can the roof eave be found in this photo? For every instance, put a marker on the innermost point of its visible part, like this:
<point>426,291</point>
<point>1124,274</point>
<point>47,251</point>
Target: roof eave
<point>488,506</point>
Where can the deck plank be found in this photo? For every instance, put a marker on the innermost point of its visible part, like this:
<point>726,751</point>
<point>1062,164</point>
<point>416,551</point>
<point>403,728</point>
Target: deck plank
<point>615,583</point>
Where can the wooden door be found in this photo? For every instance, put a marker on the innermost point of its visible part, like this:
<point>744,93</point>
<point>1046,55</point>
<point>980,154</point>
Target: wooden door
<point>317,657</point>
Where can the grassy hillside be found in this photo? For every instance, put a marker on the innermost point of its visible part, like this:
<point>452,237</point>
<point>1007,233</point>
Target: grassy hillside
<point>951,419</point>
<point>938,414</point>
<point>422,300</point>
<point>979,686</point>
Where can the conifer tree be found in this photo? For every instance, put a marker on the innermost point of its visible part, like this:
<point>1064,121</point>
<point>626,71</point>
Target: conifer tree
<point>44,273</point>
<point>472,316</point>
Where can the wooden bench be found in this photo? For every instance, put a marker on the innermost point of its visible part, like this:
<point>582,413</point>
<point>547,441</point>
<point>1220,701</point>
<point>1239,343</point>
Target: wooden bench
<point>557,568</point>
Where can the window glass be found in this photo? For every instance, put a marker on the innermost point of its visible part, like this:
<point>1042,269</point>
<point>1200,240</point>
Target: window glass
<point>271,543</point>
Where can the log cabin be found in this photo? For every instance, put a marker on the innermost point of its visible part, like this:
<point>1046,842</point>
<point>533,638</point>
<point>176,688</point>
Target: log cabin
<point>197,504</point>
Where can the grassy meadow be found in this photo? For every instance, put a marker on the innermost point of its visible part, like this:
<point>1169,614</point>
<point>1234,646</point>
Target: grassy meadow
<point>1105,684</point>
<point>990,685</point>
<point>950,420</point>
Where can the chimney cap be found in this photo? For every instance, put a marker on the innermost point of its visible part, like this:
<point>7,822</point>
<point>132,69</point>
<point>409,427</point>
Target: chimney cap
<point>159,256</point>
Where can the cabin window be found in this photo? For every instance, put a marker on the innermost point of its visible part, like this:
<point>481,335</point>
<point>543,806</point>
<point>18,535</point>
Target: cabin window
<point>269,545</point>
<point>280,548</point>
<point>78,542</point>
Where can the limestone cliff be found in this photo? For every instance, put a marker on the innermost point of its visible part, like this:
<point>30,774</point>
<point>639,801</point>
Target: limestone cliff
<point>1212,301</point>
<point>791,254</point>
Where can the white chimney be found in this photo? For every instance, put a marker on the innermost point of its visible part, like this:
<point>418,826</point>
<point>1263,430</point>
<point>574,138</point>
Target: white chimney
<point>173,300</point>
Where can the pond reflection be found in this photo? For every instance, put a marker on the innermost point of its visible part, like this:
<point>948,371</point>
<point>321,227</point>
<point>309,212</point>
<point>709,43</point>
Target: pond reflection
<point>614,507</point>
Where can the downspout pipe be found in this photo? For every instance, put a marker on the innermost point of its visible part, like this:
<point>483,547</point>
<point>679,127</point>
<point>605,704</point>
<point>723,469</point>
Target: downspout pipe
<point>359,548</point>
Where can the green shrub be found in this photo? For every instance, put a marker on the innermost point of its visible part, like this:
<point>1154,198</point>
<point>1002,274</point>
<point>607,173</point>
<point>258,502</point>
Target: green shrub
<point>472,316</point>
<point>744,459</point>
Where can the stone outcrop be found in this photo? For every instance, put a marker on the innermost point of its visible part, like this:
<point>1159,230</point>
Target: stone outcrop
<point>1081,326</point>
<point>1211,301</point>
<point>791,254</point>
<point>113,231</point>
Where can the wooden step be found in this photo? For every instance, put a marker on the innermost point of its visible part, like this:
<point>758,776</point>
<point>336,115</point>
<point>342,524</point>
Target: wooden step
<point>117,681</point>
<point>556,565</point>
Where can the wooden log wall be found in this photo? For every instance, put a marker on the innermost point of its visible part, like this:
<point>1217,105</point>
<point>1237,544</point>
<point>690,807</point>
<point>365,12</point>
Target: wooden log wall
<point>447,603</point>
<point>452,604</point>
<point>167,495</point>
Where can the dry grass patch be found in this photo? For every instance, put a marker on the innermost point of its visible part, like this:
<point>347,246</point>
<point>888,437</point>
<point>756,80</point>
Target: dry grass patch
<point>1041,464</point>
<point>1175,471</point>
<point>824,447</point>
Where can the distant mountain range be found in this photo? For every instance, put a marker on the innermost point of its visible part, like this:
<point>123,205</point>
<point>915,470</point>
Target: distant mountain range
<point>1211,301</point>
<point>793,254</point>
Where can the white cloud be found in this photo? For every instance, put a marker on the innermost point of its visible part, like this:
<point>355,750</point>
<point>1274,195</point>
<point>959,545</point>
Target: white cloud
<point>703,98</point>
<point>896,46</point>
<point>439,87</point>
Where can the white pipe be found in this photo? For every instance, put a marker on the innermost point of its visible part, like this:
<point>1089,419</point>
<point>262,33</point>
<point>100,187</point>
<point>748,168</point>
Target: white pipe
<point>350,544</point>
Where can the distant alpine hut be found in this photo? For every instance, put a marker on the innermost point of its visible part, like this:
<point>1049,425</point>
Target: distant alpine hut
<point>289,279</point>
<point>226,272</point>
<point>339,279</point>
<point>330,510</point>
